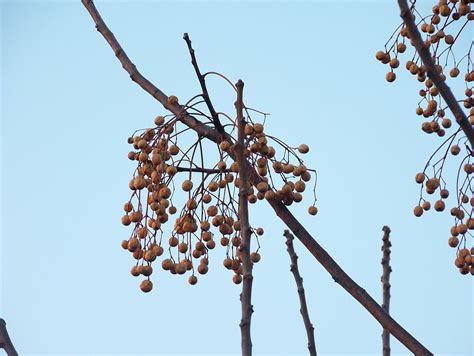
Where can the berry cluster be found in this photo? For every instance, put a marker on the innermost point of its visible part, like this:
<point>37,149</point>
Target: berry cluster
<point>443,30</point>
<point>168,162</point>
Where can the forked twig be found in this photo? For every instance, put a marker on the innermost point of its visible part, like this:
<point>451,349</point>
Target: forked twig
<point>299,284</point>
<point>202,82</point>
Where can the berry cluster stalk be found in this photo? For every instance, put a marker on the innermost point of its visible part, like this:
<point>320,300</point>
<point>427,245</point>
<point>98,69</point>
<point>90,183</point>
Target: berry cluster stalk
<point>246,295</point>
<point>337,273</point>
<point>299,284</point>
<point>386,286</point>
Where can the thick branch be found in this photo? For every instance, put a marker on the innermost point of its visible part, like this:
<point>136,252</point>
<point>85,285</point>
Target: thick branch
<point>5,342</point>
<point>245,233</point>
<point>146,85</point>
<point>299,284</point>
<point>281,210</point>
<point>386,286</point>
<point>202,81</point>
<point>433,74</point>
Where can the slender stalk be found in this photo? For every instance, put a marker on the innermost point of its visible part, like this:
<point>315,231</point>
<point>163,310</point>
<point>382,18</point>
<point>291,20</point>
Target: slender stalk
<point>201,170</point>
<point>281,210</point>
<point>245,233</point>
<point>386,286</point>
<point>202,82</point>
<point>5,341</point>
<point>433,74</point>
<point>299,284</point>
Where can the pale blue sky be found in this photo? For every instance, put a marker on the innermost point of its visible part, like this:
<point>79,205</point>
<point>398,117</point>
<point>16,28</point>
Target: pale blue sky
<point>68,108</point>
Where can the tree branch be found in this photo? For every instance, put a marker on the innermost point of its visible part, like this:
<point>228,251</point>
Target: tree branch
<point>245,233</point>
<point>433,74</point>
<point>299,284</point>
<point>5,341</point>
<point>280,209</point>
<point>386,286</point>
<point>201,170</point>
<point>202,81</point>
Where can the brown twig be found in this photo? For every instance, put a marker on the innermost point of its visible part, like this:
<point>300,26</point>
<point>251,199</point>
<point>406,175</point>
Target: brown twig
<point>202,82</point>
<point>280,209</point>
<point>299,284</point>
<point>246,295</point>
<point>433,74</point>
<point>5,341</point>
<point>386,286</point>
<point>202,170</point>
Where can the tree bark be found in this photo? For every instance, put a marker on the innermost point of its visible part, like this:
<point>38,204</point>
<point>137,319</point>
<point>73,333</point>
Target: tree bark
<point>281,210</point>
<point>301,294</point>
<point>386,286</point>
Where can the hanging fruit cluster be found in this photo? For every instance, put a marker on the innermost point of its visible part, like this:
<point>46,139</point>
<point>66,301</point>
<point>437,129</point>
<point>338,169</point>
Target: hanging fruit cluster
<point>174,165</point>
<point>446,31</point>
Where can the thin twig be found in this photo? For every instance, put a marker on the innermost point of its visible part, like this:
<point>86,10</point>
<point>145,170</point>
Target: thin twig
<point>5,341</point>
<point>386,286</point>
<point>299,284</point>
<point>433,74</point>
<point>246,295</point>
<point>337,273</point>
<point>201,170</point>
<point>202,82</point>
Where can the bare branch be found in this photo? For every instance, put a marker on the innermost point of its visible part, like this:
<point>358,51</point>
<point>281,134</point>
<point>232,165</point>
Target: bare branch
<point>299,284</point>
<point>146,85</point>
<point>280,209</point>
<point>202,81</point>
<point>386,286</point>
<point>433,74</point>
<point>5,341</point>
<point>246,295</point>
<point>346,282</point>
<point>202,170</point>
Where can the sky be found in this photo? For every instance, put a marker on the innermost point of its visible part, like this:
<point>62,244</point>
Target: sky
<point>67,108</point>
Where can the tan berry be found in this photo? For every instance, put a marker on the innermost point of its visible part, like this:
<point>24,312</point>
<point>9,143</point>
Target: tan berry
<point>439,205</point>
<point>255,257</point>
<point>420,178</point>
<point>172,100</point>
<point>418,211</point>
<point>312,210</point>
<point>444,193</point>
<point>202,268</point>
<point>146,286</point>
<point>455,149</point>
<point>187,185</point>
<point>237,279</point>
<point>159,120</point>
<point>303,148</point>
<point>192,280</point>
